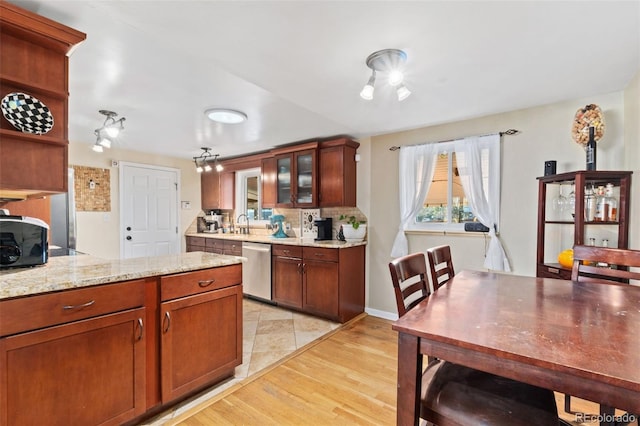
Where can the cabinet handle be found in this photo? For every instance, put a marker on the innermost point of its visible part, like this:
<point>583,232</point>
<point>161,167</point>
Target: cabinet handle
<point>318,254</point>
<point>304,268</point>
<point>286,251</point>
<point>206,283</point>
<point>166,323</point>
<point>300,268</point>
<point>141,326</point>
<point>84,305</point>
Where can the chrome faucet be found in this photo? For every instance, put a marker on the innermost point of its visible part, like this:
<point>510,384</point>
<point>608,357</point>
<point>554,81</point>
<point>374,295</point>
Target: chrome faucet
<point>244,230</point>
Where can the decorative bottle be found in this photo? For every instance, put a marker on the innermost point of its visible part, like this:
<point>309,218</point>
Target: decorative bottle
<point>612,203</point>
<point>589,205</point>
<point>591,150</point>
<point>601,205</point>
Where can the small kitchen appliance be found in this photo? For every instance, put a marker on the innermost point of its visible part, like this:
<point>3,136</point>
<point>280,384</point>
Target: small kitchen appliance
<point>325,228</point>
<point>23,241</point>
<point>277,220</point>
<point>214,222</point>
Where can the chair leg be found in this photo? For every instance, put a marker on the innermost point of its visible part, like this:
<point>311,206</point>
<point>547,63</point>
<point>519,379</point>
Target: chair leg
<point>567,403</point>
<point>607,413</point>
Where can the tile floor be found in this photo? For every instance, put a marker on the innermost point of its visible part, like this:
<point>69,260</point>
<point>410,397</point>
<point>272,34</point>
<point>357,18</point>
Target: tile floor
<point>269,334</point>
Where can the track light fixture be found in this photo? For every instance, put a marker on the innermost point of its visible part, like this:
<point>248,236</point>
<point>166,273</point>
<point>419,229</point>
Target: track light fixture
<point>109,131</point>
<point>389,62</point>
<point>202,161</point>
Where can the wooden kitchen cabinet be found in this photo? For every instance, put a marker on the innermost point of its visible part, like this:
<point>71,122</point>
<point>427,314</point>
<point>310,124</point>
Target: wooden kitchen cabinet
<point>268,173</point>
<point>34,60</point>
<point>286,275</point>
<point>561,229</point>
<point>78,358</point>
<point>295,183</point>
<point>195,244</point>
<point>327,282</point>
<point>217,190</point>
<point>337,173</point>
<point>201,329</point>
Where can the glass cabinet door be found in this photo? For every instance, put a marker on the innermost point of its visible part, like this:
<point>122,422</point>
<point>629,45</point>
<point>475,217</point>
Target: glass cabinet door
<point>304,166</point>
<point>284,180</point>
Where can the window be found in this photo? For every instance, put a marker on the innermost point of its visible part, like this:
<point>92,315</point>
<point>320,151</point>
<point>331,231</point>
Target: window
<point>446,207</point>
<point>249,196</point>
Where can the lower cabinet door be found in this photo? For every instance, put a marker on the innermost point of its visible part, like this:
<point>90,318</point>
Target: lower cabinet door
<point>321,288</point>
<point>201,340</point>
<point>287,281</point>
<point>89,372</point>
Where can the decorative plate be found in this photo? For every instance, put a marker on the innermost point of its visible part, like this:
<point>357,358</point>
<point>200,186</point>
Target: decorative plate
<point>589,116</point>
<point>27,113</point>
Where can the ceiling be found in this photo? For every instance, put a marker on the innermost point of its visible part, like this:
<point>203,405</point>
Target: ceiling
<point>296,67</point>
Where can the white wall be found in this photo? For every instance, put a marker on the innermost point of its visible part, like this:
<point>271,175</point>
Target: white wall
<point>545,135</point>
<point>98,232</point>
<point>632,152</point>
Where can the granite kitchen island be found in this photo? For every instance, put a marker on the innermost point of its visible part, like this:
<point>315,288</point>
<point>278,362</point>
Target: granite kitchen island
<point>98,341</point>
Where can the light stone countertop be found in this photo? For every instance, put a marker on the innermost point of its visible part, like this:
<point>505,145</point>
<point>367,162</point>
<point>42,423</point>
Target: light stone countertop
<point>67,272</point>
<point>257,238</point>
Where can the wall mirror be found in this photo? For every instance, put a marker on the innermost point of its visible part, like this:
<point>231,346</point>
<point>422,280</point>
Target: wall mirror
<point>249,196</point>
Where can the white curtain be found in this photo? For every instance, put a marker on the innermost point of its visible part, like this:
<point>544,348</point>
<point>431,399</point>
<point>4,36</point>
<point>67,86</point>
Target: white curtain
<point>416,167</point>
<point>485,205</point>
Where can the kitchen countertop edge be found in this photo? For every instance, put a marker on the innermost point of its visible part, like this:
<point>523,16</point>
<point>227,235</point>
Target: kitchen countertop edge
<point>253,238</point>
<point>69,272</point>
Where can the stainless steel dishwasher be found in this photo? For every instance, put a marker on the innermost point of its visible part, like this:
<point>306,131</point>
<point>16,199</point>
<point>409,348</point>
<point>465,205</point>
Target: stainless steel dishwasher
<point>256,271</point>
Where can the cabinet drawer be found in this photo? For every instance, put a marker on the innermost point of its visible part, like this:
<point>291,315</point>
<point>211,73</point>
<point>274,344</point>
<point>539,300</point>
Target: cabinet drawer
<point>233,248</point>
<point>317,253</point>
<point>196,241</point>
<point>214,243</point>
<point>34,312</point>
<point>180,285</point>
<point>286,250</point>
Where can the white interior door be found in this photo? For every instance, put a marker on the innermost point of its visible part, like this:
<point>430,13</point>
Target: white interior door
<point>149,210</point>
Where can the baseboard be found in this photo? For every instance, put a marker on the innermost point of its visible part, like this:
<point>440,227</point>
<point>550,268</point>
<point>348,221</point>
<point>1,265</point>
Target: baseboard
<point>381,314</point>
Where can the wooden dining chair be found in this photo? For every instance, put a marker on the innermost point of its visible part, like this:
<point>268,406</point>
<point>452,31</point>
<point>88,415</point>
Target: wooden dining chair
<point>456,395</point>
<point>440,265</point>
<point>614,269</point>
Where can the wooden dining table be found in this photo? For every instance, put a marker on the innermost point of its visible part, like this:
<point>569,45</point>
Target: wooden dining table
<point>581,339</point>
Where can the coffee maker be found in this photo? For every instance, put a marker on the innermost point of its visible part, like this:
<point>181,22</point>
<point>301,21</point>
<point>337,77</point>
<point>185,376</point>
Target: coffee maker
<point>214,221</point>
<point>325,228</point>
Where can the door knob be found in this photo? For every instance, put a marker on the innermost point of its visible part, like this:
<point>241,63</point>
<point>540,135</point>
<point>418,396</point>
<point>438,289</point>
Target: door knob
<point>128,237</point>
<point>128,228</point>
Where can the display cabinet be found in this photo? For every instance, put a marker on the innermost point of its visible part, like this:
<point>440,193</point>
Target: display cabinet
<point>34,60</point>
<point>565,219</point>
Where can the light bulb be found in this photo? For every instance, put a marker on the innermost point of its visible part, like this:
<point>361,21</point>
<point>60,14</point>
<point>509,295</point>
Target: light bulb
<point>207,167</point>
<point>219,167</point>
<point>367,91</point>
<point>112,131</point>
<point>104,142</point>
<point>402,92</point>
<point>395,77</point>
<point>199,169</point>
<point>97,148</point>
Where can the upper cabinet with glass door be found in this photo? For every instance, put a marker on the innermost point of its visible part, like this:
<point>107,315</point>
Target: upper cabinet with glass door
<point>296,183</point>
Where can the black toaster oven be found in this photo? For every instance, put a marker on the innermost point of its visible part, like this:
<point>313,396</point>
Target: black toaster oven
<point>23,241</point>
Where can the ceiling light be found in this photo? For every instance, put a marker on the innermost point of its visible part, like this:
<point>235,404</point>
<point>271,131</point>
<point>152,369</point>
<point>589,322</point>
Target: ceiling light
<point>110,130</point>
<point>390,62</point>
<point>202,161</point>
<point>225,116</point>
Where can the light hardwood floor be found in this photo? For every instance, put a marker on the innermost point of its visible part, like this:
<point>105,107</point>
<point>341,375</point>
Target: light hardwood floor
<point>346,378</point>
